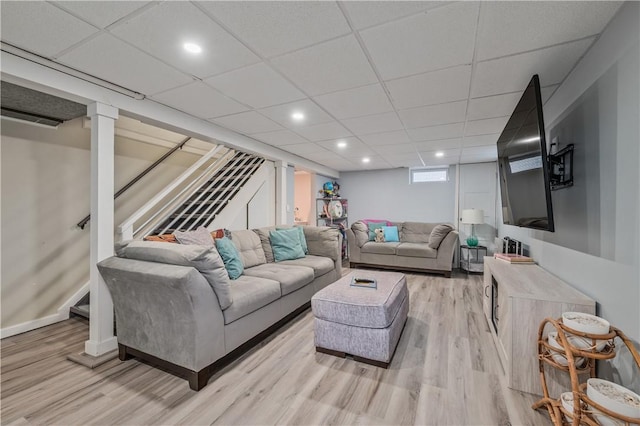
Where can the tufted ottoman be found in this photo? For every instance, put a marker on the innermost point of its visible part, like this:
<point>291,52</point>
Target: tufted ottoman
<point>363,322</point>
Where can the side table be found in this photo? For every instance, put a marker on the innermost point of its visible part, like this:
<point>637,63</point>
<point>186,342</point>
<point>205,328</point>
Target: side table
<point>472,258</point>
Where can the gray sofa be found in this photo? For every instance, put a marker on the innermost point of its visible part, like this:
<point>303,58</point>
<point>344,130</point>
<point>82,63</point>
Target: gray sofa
<point>418,248</point>
<point>168,298</point>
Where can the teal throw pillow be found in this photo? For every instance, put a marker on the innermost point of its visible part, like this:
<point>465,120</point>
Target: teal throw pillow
<point>286,244</point>
<point>230,257</point>
<point>373,227</point>
<point>391,234</point>
<point>303,240</point>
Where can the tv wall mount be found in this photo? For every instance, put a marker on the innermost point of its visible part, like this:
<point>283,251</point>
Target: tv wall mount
<point>561,167</point>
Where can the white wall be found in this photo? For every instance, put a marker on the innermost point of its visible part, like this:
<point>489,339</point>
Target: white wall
<point>614,284</point>
<point>45,192</point>
<point>387,194</point>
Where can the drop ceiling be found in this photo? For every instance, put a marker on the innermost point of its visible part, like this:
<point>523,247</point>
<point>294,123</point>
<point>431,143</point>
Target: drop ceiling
<point>398,81</point>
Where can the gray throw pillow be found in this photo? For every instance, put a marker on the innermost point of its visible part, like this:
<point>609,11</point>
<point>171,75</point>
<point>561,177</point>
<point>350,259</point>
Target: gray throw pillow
<point>438,234</point>
<point>201,236</point>
<point>203,258</point>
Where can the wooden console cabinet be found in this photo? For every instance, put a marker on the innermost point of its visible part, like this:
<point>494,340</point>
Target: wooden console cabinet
<point>516,299</point>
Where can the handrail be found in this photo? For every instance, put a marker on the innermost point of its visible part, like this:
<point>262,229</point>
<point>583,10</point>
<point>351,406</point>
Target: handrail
<point>86,219</point>
<point>126,228</point>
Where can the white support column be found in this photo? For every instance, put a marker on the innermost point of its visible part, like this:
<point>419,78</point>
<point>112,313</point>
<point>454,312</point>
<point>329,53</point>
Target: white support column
<point>101,338</point>
<point>281,192</point>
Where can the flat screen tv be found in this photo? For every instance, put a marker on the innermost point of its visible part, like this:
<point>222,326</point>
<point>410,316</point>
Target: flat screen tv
<point>522,162</point>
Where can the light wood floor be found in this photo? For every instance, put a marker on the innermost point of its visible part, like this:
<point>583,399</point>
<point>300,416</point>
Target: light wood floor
<point>445,372</point>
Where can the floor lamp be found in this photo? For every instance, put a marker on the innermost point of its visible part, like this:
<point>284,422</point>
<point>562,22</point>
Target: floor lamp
<point>472,217</point>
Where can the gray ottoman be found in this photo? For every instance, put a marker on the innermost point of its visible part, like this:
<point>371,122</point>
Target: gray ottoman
<point>363,322</point>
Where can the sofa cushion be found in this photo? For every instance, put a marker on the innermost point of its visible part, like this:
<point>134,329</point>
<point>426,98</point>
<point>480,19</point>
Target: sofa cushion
<point>230,257</point>
<point>361,232</point>
<point>391,234</point>
<point>416,232</point>
<point>291,277</point>
<point>250,294</point>
<point>379,248</point>
<point>323,241</point>
<point>303,240</point>
<point>438,234</point>
<point>263,234</point>
<point>249,246</point>
<point>286,244</point>
<point>200,236</point>
<point>321,265</point>
<point>416,250</point>
<point>203,258</point>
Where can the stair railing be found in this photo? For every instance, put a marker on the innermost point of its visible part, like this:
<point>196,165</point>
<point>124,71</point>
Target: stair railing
<point>87,218</point>
<point>209,188</point>
<point>126,228</point>
<point>238,181</point>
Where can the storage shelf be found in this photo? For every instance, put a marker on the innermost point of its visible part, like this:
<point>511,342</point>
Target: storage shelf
<point>581,415</point>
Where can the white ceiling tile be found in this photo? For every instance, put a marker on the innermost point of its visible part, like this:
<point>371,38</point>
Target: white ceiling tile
<point>446,131</point>
<point>368,13</point>
<point>40,27</point>
<point>513,73</point>
<point>405,160</point>
<point>493,106</point>
<point>485,127</point>
<point>433,40</point>
<point>163,30</point>
<point>200,100</point>
<point>431,161</point>
<point>438,144</point>
<point>395,149</point>
<point>373,123</point>
<point>324,131</point>
<point>303,149</point>
<point>451,152</point>
<point>257,85</point>
<point>386,138</point>
<point>431,88</point>
<point>479,154</point>
<point>273,28</point>
<point>340,164</point>
<point>328,67</point>
<point>282,114</point>
<point>132,69</point>
<point>366,100</point>
<point>375,162</point>
<point>452,112</point>
<point>248,122</point>
<point>512,27</point>
<point>101,13</point>
<point>354,148</point>
<point>480,140</point>
<point>279,138</point>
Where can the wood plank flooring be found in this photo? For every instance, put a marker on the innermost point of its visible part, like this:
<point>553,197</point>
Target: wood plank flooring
<point>445,372</point>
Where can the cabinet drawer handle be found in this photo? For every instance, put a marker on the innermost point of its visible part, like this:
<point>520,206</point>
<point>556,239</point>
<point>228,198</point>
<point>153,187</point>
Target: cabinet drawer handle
<point>485,291</point>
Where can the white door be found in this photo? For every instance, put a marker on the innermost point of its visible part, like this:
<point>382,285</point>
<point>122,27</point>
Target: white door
<point>478,185</point>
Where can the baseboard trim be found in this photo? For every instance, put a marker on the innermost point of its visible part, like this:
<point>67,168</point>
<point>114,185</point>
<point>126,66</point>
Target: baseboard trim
<point>32,325</point>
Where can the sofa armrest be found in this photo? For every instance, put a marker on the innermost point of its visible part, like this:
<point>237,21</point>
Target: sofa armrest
<point>325,241</point>
<point>164,310</point>
<point>447,250</point>
<point>354,248</point>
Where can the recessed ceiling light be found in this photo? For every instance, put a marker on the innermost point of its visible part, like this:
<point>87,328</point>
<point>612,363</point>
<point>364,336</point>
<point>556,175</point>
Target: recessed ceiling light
<point>192,48</point>
<point>342,144</point>
<point>297,116</point>
<point>439,154</point>
<point>366,159</point>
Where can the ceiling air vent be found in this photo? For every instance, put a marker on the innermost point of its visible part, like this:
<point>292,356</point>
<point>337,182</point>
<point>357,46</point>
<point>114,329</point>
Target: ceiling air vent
<point>20,103</point>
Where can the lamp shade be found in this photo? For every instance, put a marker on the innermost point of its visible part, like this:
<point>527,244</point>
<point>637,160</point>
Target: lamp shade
<point>472,216</point>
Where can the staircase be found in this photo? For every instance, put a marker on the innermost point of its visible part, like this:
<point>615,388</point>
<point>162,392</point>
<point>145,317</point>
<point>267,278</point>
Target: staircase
<point>207,201</point>
<point>200,208</point>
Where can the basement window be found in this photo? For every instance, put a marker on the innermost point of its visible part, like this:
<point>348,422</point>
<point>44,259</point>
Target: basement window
<point>434,174</point>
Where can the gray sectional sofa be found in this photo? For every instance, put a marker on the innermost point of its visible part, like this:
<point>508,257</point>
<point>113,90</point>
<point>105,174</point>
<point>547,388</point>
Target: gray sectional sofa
<point>168,297</point>
<point>419,248</point>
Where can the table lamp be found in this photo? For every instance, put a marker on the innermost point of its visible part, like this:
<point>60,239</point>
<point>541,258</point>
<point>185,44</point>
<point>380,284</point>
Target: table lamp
<point>472,217</point>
